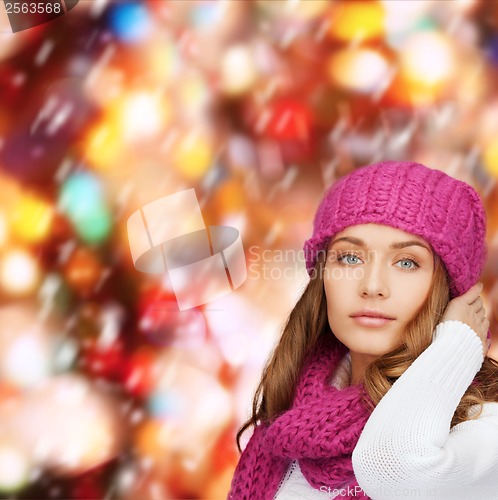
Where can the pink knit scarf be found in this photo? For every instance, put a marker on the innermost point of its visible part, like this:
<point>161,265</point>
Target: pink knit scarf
<point>320,430</point>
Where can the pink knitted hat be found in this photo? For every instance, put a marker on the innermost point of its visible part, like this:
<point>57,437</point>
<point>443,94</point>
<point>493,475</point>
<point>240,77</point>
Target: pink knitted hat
<point>446,212</point>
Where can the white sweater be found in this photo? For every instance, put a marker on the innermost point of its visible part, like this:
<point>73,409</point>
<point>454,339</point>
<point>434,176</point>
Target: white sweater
<point>407,449</point>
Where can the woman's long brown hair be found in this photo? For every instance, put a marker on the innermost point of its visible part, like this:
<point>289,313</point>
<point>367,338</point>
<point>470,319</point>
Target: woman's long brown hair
<point>308,322</point>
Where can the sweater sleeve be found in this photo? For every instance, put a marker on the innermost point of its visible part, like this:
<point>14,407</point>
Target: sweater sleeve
<point>407,448</point>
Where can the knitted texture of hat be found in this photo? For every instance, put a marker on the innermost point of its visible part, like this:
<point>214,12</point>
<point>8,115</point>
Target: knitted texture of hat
<point>320,430</point>
<point>446,212</point>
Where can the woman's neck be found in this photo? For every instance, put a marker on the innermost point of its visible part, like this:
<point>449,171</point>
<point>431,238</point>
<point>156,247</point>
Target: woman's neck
<point>359,363</point>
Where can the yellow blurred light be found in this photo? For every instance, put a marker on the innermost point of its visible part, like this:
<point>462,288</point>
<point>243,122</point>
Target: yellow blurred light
<point>11,194</point>
<point>163,61</point>
<point>490,158</point>
<point>14,467</point>
<point>358,20</point>
<point>32,218</point>
<point>19,272</point>
<point>193,94</point>
<point>238,70</point>
<point>362,70</point>
<point>303,9</point>
<point>427,59</point>
<point>141,115</point>
<point>192,155</point>
<point>132,118</point>
<point>4,229</point>
<point>103,146</point>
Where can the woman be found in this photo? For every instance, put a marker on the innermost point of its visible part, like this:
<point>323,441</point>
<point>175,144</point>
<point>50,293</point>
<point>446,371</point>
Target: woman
<point>403,404</point>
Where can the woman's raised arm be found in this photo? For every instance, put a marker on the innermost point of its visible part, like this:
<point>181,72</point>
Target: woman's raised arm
<point>407,449</point>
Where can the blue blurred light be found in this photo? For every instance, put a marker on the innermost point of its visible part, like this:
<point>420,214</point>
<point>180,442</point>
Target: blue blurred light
<point>165,404</point>
<point>80,192</point>
<point>206,15</point>
<point>130,21</point>
<point>81,199</point>
<point>491,49</point>
<point>93,225</point>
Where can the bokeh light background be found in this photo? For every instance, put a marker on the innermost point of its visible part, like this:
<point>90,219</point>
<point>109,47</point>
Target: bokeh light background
<point>107,390</point>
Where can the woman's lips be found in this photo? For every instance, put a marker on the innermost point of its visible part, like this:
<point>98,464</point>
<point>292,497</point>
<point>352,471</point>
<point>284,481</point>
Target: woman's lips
<point>370,321</point>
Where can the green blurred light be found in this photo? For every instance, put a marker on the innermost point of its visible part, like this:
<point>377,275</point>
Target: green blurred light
<point>79,191</point>
<point>81,200</point>
<point>93,225</point>
<point>425,24</point>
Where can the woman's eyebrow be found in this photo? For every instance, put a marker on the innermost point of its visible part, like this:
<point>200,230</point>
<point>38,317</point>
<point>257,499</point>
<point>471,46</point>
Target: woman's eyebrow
<point>394,246</point>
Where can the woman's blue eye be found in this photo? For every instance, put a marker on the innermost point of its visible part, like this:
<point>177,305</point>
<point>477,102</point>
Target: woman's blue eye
<point>346,255</point>
<point>415,265</point>
<point>352,259</point>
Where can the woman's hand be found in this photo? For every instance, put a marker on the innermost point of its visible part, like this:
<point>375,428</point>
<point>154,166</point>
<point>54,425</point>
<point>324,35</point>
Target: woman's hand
<point>469,309</point>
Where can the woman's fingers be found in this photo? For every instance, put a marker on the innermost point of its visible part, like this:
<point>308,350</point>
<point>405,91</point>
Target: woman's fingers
<point>478,304</point>
<point>473,293</point>
<point>469,309</point>
<point>481,313</point>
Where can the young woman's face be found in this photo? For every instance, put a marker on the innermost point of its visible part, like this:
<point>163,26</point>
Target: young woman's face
<point>377,268</point>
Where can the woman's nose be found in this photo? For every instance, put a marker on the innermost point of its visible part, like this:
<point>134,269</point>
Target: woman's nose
<point>374,281</point>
